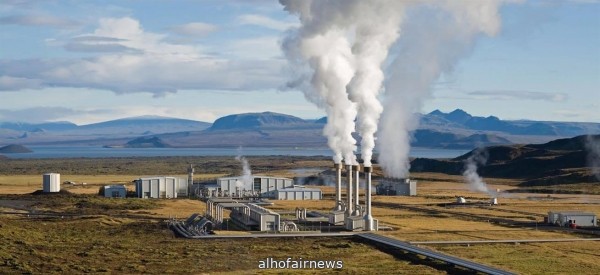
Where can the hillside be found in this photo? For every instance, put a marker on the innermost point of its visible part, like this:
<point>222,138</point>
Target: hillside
<point>14,149</point>
<point>147,142</point>
<point>146,125</point>
<point>459,119</point>
<point>257,120</point>
<point>561,161</point>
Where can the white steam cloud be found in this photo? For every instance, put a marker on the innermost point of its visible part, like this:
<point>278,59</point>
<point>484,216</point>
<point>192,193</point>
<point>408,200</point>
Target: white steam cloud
<point>246,182</point>
<point>478,157</point>
<point>593,148</point>
<point>342,45</point>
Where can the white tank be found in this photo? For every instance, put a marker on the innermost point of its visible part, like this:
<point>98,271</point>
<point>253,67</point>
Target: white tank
<point>461,200</point>
<point>51,183</point>
<point>494,201</point>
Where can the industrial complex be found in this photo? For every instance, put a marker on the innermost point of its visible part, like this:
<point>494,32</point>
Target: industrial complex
<point>240,202</point>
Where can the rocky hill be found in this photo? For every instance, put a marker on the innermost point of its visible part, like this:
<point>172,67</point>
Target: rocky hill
<point>258,120</point>
<point>560,161</point>
<point>14,149</point>
<point>147,142</point>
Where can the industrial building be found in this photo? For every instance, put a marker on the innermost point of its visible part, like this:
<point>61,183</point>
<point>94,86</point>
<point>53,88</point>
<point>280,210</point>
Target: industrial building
<point>161,187</point>
<point>257,186</point>
<point>51,183</point>
<point>248,216</point>
<point>350,212</point>
<point>397,187</point>
<point>567,218</point>
<point>260,184</point>
<point>114,191</point>
<point>297,193</point>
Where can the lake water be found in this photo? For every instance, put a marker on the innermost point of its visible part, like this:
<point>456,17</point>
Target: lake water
<point>98,152</point>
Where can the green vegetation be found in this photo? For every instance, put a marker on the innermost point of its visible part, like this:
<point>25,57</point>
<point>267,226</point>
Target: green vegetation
<point>120,245</point>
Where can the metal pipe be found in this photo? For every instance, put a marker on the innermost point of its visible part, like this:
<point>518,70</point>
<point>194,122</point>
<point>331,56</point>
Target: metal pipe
<point>349,205</point>
<point>190,179</point>
<point>356,190</point>
<point>338,187</point>
<point>368,216</point>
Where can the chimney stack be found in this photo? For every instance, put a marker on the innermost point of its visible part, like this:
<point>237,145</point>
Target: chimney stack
<point>356,188</point>
<point>349,204</point>
<point>368,216</point>
<point>338,186</point>
<point>190,179</point>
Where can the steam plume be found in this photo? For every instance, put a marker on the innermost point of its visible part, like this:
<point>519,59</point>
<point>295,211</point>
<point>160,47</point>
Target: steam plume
<point>435,37</point>
<point>593,147</point>
<point>376,30</point>
<point>342,45</point>
<point>246,182</point>
<point>478,157</point>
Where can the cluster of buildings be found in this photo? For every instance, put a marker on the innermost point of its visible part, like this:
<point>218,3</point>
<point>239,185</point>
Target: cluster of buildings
<point>243,195</point>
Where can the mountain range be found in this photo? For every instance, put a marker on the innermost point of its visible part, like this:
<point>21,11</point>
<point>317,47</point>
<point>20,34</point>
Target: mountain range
<point>456,129</point>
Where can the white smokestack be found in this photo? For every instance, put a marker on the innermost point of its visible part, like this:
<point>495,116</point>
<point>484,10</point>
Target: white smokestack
<point>349,188</point>
<point>368,215</point>
<point>476,183</point>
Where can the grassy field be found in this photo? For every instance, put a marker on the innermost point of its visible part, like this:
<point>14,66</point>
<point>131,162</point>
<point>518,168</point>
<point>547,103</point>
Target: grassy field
<point>120,245</point>
<point>129,235</point>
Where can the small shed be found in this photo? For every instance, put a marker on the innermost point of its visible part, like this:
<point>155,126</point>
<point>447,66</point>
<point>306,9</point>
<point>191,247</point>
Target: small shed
<point>565,218</point>
<point>114,191</point>
<point>396,187</point>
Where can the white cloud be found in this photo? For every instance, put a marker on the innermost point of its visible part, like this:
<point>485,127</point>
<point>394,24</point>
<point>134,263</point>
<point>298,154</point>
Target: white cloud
<point>196,29</point>
<point>38,114</point>
<point>134,60</point>
<point>38,20</point>
<point>260,47</point>
<point>9,83</point>
<point>518,95</point>
<point>265,22</point>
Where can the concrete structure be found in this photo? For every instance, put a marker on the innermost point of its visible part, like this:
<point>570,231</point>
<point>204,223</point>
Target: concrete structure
<point>339,204</point>
<point>261,185</point>
<point>160,187</point>
<point>354,223</point>
<point>246,215</point>
<point>369,223</point>
<point>297,193</point>
<point>51,183</point>
<point>565,218</point>
<point>356,188</point>
<point>114,191</point>
<point>349,203</point>
<point>397,187</point>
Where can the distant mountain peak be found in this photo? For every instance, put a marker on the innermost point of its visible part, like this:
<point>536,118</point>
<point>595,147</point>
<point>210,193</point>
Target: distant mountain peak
<point>437,112</point>
<point>458,116</point>
<point>459,112</point>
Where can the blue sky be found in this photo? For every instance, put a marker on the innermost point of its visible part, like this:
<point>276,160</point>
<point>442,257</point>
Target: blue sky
<point>90,61</point>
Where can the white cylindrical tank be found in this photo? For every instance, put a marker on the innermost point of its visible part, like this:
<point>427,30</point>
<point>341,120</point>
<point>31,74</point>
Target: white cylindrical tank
<point>494,201</point>
<point>51,183</point>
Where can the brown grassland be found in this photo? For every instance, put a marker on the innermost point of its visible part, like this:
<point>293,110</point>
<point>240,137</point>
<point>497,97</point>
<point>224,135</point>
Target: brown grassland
<point>130,235</point>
